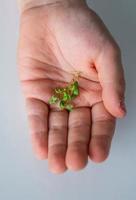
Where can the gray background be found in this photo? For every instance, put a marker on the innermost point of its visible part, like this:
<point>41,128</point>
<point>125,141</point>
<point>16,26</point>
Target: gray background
<point>21,175</point>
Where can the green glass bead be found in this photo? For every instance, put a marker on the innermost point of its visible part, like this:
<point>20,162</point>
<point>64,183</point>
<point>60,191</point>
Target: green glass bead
<point>76,92</point>
<point>62,104</point>
<point>66,96</point>
<point>53,100</point>
<point>69,107</point>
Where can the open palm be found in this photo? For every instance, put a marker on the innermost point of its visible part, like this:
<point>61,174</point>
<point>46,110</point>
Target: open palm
<point>55,42</point>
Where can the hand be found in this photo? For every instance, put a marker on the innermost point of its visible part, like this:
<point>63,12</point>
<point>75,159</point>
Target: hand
<point>54,42</point>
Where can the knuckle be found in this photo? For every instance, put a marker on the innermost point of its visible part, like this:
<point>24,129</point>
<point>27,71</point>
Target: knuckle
<point>77,144</point>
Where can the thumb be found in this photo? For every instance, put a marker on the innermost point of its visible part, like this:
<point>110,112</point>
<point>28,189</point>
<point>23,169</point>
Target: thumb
<point>111,76</point>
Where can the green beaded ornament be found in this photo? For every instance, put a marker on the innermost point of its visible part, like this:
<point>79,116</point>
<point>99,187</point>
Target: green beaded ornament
<point>64,96</point>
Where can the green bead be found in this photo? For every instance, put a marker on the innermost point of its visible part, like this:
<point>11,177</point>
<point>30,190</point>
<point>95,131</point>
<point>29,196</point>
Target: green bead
<point>75,89</point>
<point>62,104</point>
<point>66,96</point>
<point>76,92</point>
<point>76,84</point>
<point>69,107</point>
<point>53,100</point>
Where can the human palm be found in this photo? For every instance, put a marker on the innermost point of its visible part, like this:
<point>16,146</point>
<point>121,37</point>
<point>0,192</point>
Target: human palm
<point>56,42</point>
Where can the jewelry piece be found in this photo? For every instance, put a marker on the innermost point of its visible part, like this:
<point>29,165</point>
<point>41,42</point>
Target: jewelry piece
<point>64,96</point>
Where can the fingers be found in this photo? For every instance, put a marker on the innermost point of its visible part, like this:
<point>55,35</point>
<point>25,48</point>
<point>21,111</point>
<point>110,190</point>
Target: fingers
<point>78,138</point>
<point>58,121</point>
<point>111,77</point>
<point>103,125</point>
<point>38,121</point>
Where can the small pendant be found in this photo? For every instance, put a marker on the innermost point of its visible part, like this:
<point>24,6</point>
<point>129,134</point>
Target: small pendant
<point>64,96</point>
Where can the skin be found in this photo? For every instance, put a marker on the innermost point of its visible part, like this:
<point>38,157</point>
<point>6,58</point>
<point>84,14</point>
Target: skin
<point>55,41</point>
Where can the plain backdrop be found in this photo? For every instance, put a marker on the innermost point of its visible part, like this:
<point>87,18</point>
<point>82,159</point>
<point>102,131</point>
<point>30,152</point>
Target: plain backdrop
<point>25,178</point>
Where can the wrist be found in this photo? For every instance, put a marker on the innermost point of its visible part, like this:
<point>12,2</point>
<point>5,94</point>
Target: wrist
<point>27,4</point>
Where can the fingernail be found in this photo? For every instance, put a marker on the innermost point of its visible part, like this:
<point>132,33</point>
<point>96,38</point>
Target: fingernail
<point>123,106</point>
